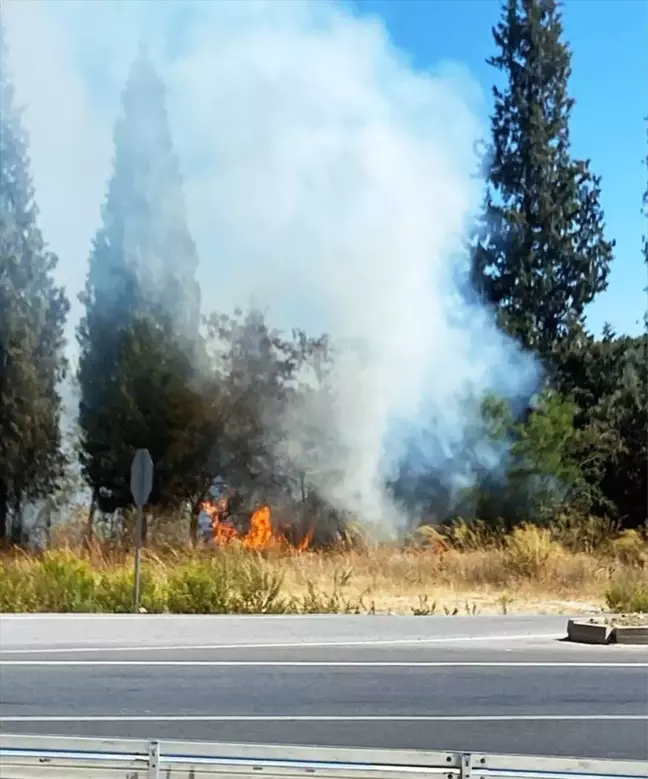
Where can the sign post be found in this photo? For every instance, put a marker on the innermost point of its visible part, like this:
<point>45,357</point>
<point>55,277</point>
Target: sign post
<point>141,486</point>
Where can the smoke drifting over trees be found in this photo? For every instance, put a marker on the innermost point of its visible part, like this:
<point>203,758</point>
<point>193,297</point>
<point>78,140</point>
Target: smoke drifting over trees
<point>139,336</point>
<point>410,344</point>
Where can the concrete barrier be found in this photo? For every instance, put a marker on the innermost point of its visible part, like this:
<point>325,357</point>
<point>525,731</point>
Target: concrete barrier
<point>631,634</point>
<point>592,632</point>
<point>588,632</point>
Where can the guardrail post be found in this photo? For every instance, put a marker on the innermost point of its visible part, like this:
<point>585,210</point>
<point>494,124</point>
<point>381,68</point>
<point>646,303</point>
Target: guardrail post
<point>153,760</point>
<point>466,765</point>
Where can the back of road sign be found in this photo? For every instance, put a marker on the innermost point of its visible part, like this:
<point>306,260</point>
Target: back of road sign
<point>141,477</point>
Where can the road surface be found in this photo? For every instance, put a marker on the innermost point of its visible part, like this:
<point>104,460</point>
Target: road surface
<point>477,683</point>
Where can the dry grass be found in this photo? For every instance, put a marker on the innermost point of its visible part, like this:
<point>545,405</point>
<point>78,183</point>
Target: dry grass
<point>528,571</point>
<point>410,581</point>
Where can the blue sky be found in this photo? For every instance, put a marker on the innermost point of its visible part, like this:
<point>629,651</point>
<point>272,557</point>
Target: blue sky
<point>609,82</point>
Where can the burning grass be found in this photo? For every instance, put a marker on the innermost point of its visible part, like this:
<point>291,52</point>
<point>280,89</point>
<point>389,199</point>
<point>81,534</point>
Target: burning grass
<point>528,571</point>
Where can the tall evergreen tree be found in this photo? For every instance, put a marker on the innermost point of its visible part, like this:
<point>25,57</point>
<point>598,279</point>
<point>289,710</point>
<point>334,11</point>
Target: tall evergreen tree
<point>645,238</point>
<point>139,335</point>
<point>33,311</point>
<point>540,254</point>
<point>144,259</point>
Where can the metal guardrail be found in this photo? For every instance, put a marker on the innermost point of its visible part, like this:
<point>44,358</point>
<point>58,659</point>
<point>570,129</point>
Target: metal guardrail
<point>58,757</point>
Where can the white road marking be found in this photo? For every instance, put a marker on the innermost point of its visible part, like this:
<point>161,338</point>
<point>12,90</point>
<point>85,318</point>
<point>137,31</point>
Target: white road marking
<point>335,718</point>
<point>306,664</point>
<point>282,645</point>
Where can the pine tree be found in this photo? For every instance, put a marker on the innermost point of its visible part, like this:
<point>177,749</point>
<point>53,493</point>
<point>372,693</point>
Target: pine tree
<point>33,311</point>
<point>139,335</point>
<point>540,254</point>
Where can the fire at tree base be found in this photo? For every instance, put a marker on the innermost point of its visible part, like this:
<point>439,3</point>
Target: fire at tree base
<point>224,523</point>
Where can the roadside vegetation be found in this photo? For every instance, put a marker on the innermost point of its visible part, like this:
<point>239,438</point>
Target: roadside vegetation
<point>531,570</point>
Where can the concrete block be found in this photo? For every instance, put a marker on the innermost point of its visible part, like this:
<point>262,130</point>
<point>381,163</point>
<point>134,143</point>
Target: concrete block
<point>588,632</point>
<point>630,634</point>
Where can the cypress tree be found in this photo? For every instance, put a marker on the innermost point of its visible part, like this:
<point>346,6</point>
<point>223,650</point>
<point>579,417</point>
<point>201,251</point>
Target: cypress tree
<point>33,311</point>
<point>540,254</point>
<point>645,238</point>
<point>139,335</point>
<point>144,258</point>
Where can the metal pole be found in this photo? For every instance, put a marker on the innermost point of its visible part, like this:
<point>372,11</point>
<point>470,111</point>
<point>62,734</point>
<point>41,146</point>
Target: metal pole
<point>138,547</point>
<point>154,760</point>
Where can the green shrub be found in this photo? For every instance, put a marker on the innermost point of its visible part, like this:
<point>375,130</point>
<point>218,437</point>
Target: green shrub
<point>628,594</point>
<point>116,589</point>
<point>63,582</point>
<point>257,590</point>
<point>224,584</point>
<point>16,590</point>
<point>198,588</point>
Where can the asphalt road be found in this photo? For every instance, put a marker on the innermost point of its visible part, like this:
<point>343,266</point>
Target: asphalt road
<point>482,684</point>
<point>53,631</point>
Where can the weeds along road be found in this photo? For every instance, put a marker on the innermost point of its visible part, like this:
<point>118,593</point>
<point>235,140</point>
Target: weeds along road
<point>493,684</point>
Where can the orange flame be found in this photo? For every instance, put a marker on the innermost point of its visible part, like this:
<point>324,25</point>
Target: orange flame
<point>261,534</point>
<point>306,541</point>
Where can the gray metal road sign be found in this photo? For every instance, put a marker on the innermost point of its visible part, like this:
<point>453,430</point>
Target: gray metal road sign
<point>141,477</point>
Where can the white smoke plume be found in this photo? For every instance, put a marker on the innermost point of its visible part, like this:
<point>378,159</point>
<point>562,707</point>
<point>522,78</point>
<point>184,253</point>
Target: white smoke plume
<point>324,176</point>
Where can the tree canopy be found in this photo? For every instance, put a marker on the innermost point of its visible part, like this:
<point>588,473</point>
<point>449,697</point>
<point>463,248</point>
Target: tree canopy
<point>540,252</point>
<point>139,337</point>
<point>33,312</point>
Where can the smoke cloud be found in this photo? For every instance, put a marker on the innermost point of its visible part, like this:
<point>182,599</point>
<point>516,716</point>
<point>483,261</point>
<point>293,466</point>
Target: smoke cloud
<point>324,176</point>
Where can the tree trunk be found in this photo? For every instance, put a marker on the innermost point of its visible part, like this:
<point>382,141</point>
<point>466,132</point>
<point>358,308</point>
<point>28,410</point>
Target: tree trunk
<point>193,528</point>
<point>89,534</point>
<point>196,508</point>
<point>16,530</point>
<point>4,513</point>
